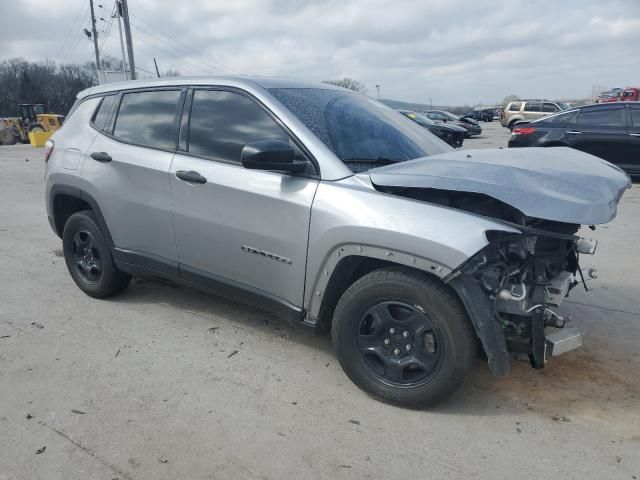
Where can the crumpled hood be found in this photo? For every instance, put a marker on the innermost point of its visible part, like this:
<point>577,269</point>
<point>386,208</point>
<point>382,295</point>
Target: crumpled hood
<point>559,183</point>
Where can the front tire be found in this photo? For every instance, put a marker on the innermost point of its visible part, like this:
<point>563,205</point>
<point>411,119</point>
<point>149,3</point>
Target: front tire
<point>7,137</point>
<point>403,337</point>
<point>89,259</point>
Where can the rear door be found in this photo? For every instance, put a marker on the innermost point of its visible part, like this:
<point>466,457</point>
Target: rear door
<point>127,173</point>
<point>239,230</point>
<point>601,131</point>
<point>632,163</point>
<point>533,110</point>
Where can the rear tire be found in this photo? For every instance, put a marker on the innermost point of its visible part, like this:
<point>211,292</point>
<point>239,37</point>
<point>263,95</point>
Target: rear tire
<point>403,337</point>
<point>88,257</point>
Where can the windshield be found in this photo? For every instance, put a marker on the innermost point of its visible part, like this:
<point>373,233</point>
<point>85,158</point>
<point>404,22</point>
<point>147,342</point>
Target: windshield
<point>451,116</point>
<point>419,118</point>
<point>563,106</point>
<point>361,132</point>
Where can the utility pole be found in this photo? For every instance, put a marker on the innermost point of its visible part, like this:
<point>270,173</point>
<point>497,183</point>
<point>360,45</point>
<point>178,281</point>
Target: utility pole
<point>156,64</point>
<point>127,34</point>
<point>378,89</point>
<point>124,59</point>
<point>95,35</point>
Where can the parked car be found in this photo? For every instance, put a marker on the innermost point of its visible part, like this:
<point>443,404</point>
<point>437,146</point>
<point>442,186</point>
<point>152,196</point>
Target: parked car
<point>528,110</point>
<point>469,124</point>
<point>607,130</point>
<point>619,95</point>
<point>452,134</point>
<point>484,115</point>
<point>630,94</point>
<point>335,213</point>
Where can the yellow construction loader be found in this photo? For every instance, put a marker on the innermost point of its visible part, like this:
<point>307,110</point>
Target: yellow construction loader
<point>32,119</point>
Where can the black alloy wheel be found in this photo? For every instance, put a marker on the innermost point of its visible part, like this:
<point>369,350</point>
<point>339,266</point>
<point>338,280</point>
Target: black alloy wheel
<point>400,344</point>
<point>86,257</point>
<point>403,337</point>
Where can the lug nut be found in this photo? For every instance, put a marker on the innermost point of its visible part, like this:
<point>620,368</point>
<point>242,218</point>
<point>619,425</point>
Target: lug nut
<point>408,347</point>
<point>387,341</point>
<point>405,334</point>
<point>392,330</point>
<point>396,351</point>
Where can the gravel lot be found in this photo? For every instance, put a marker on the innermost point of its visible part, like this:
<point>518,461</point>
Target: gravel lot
<point>145,385</point>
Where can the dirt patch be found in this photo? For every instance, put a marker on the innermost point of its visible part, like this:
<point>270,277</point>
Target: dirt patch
<point>580,386</point>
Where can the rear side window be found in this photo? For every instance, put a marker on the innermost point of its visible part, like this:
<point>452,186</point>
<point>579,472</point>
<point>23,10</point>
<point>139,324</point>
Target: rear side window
<point>602,117</point>
<point>550,107</point>
<point>532,107</point>
<point>560,119</point>
<point>222,123</point>
<point>148,118</point>
<point>515,106</point>
<point>104,112</point>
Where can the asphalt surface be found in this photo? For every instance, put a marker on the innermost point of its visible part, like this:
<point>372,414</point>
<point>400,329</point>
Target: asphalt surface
<point>166,382</point>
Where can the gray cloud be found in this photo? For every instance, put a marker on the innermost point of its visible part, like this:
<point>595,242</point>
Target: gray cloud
<point>452,51</point>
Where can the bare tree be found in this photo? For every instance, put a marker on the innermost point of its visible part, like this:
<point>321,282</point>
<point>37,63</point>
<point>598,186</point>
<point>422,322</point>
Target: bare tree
<point>56,86</point>
<point>349,83</point>
<point>510,98</point>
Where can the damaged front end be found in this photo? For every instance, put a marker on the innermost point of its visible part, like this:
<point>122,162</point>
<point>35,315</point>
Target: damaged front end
<point>512,288</point>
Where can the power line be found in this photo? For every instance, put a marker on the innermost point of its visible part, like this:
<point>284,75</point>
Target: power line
<point>109,25</point>
<point>183,61</point>
<point>192,52</point>
<point>71,41</point>
<point>176,50</point>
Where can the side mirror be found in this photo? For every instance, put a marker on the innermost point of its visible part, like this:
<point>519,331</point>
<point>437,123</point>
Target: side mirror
<point>271,155</point>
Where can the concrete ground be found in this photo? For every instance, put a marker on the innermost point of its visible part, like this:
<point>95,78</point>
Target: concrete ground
<point>149,385</point>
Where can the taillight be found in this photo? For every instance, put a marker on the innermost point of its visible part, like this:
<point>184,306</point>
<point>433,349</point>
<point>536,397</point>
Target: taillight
<point>48,149</point>
<point>523,131</point>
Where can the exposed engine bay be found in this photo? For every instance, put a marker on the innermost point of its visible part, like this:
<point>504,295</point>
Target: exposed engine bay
<point>513,287</point>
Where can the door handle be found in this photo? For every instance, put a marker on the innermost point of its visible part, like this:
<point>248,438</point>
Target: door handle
<point>191,176</point>
<point>102,157</point>
<point>573,132</point>
<point>635,134</point>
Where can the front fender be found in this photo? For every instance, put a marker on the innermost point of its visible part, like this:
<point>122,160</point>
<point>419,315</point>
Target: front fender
<point>350,217</point>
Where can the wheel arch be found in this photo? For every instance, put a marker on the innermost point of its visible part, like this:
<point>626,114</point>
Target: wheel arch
<point>349,262</point>
<point>513,120</point>
<point>67,200</point>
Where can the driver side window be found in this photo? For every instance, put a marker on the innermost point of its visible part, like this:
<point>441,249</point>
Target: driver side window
<point>222,123</point>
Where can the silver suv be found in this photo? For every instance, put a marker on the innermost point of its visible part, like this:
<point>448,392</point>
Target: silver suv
<point>529,110</point>
<point>334,212</point>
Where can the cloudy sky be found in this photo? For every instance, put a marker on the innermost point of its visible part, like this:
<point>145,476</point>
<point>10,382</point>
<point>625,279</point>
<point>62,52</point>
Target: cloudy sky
<point>452,51</point>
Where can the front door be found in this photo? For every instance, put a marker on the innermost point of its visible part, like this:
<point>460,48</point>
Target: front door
<point>600,131</point>
<point>239,229</point>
